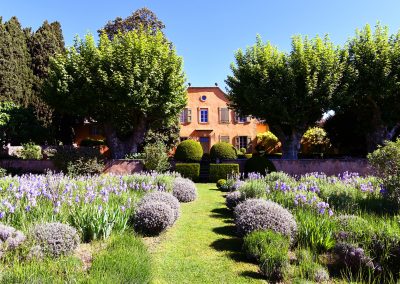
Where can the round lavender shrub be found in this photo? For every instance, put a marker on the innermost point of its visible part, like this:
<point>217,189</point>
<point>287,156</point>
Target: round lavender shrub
<point>153,217</point>
<point>56,239</point>
<point>232,199</point>
<point>10,238</point>
<point>262,214</point>
<point>165,197</point>
<point>184,190</point>
<point>243,207</point>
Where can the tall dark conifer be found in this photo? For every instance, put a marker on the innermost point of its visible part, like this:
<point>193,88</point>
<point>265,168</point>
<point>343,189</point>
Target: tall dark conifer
<point>15,73</point>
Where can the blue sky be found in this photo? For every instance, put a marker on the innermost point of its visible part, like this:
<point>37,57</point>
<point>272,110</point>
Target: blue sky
<point>206,33</point>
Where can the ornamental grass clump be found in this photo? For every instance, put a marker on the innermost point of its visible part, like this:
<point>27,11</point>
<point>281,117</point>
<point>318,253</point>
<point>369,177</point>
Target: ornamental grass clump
<point>56,239</point>
<point>164,197</point>
<point>10,238</point>
<point>184,190</point>
<point>264,215</point>
<point>233,199</point>
<point>153,217</point>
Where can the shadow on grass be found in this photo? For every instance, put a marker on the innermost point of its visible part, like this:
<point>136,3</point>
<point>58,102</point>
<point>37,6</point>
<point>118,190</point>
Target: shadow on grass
<point>252,274</point>
<point>229,230</point>
<point>231,243</point>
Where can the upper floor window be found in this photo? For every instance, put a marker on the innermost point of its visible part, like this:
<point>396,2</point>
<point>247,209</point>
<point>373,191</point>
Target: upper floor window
<point>186,115</point>
<point>224,115</point>
<point>203,115</point>
<point>203,98</point>
<point>241,119</point>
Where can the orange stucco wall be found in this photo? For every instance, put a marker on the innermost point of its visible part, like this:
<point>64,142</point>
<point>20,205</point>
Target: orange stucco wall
<point>214,129</point>
<point>194,130</point>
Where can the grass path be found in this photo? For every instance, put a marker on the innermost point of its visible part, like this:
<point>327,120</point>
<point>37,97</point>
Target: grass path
<point>201,247</point>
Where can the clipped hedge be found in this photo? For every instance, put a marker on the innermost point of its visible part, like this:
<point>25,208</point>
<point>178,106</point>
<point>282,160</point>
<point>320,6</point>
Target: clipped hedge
<point>189,151</point>
<point>259,164</point>
<point>223,151</point>
<point>221,171</point>
<point>188,170</point>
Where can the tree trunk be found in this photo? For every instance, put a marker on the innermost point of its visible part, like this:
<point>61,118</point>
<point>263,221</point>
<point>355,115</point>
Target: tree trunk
<point>290,142</point>
<point>119,148</point>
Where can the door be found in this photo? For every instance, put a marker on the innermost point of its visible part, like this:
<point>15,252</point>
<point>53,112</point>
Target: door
<point>205,143</point>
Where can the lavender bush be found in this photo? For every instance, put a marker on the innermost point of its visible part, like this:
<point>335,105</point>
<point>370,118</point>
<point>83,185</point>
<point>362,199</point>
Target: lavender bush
<point>263,215</point>
<point>153,217</point>
<point>10,238</point>
<point>184,190</point>
<point>165,197</point>
<point>56,239</point>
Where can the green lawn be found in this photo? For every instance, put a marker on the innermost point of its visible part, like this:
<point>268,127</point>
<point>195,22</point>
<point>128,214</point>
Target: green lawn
<point>202,247</point>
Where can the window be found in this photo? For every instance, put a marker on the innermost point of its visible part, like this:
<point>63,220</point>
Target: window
<point>186,115</point>
<point>183,138</point>
<point>224,115</point>
<point>224,138</point>
<point>241,119</point>
<point>242,142</point>
<point>203,98</point>
<point>96,130</point>
<point>203,115</point>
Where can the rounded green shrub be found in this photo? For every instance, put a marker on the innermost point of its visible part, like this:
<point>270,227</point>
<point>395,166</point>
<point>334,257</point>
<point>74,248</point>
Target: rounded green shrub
<point>221,183</point>
<point>259,164</point>
<point>189,151</point>
<point>223,151</point>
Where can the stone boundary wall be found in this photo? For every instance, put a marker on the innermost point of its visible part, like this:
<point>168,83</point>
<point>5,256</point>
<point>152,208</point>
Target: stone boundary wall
<point>327,166</point>
<point>28,166</point>
<point>292,167</point>
<point>123,166</point>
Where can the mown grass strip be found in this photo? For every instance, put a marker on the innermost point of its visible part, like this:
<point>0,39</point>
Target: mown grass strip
<point>202,246</point>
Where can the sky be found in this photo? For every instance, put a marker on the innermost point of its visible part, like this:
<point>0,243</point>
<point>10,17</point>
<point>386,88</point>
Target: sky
<point>207,33</point>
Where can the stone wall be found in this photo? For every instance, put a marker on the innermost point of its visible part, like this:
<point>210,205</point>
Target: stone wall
<point>292,167</point>
<point>328,166</point>
<point>27,166</point>
<point>123,166</point>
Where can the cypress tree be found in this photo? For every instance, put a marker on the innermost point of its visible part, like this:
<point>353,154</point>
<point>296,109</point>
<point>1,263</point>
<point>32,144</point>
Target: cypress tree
<point>15,72</point>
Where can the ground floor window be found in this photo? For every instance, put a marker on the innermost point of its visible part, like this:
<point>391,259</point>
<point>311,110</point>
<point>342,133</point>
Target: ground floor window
<point>242,142</point>
<point>224,138</point>
<point>183,138</point>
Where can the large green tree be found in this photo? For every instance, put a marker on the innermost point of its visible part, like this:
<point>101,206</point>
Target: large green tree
<point>371,83</point>
<point>140,19</point>
<point>15,74</point>
<point>290,91</point>
<point>128,83</point>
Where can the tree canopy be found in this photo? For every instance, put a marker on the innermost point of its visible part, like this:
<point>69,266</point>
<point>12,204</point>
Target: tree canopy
<point>129,83</point>
<point>290,91</point>
<point>140,19</point>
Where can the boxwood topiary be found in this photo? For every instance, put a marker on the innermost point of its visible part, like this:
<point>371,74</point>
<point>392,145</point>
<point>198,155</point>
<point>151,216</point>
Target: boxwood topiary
<point>259,164</point>
<point>189,151</point>
<point>223,151</point>
<point>188,170</point>
<point>222,171</point>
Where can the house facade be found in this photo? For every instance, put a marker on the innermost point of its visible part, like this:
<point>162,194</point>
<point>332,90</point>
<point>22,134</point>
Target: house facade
<point>207,119</point>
